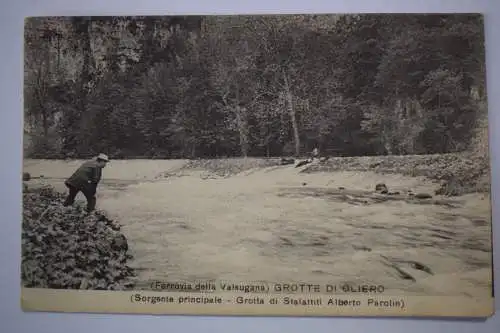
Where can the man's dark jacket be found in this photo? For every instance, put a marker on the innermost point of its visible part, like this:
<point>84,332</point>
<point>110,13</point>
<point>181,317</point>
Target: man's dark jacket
<point>86,177</point>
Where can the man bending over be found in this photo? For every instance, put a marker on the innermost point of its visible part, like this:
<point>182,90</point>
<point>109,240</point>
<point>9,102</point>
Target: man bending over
<point>85,179</point>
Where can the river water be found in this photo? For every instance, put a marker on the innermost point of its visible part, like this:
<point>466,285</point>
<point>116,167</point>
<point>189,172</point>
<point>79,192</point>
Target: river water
<point>278,225</point>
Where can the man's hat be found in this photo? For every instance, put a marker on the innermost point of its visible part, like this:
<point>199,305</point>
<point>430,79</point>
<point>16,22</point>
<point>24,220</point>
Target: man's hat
<point>103,157</point>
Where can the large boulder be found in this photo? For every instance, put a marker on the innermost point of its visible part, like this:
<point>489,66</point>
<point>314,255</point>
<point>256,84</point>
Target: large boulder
<point>381,188</point>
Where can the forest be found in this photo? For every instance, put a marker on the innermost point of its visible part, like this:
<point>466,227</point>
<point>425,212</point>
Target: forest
<point>261,86</point>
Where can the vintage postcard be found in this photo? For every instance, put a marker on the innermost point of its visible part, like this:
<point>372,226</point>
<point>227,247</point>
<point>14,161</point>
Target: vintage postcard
<point>313,165</point>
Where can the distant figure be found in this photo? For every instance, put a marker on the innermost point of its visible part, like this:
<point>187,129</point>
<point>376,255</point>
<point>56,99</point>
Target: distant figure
<point>315,153</point>
<point>85,179</point>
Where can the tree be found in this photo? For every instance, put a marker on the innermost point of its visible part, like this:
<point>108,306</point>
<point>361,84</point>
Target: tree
<point>212,86</point>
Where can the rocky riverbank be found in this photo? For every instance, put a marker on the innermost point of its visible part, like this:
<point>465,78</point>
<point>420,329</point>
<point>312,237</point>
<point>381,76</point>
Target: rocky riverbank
<point>66,248</point>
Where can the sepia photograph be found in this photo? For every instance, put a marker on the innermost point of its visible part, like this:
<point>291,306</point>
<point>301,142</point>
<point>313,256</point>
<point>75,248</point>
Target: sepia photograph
<point>257,164</point>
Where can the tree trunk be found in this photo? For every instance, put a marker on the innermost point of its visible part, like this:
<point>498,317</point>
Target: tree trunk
<point>193,150</point>
<point>291,112</point>
<point>84,84</point>
<point>241,118</point>
<point>45,123</point>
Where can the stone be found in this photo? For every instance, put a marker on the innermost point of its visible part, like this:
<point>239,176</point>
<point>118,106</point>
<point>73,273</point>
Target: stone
<point>381,187</point>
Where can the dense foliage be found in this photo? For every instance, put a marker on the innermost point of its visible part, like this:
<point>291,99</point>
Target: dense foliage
<point>215,86</point>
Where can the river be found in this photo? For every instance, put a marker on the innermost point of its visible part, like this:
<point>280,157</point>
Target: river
<point>278,225</point>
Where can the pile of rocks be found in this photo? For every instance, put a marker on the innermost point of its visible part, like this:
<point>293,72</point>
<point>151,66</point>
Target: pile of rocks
<point>67,248</point>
